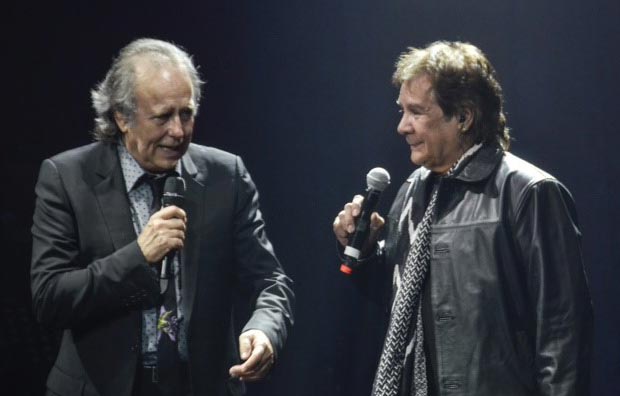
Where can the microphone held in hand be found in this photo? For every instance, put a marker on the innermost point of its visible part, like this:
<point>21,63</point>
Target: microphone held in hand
<point>376,180</point>
<point>174,194</point>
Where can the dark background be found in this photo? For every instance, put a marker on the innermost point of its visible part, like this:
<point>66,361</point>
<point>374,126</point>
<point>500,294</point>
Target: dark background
<point>301,90</point>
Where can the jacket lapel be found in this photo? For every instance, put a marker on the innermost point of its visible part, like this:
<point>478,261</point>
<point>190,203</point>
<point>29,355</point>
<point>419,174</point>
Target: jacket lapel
<point>110,192</point>
<point>194,208</point>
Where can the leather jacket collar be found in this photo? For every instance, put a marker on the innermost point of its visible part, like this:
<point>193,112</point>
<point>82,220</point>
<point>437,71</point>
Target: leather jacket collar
<point>477,168</point>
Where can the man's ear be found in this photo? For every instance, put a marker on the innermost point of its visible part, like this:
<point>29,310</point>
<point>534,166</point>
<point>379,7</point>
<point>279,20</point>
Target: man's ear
<point>465,119</point>
<point>121,122</point>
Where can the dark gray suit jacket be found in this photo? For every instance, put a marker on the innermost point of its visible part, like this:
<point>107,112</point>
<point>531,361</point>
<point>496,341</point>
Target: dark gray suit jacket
<point>90,278</point>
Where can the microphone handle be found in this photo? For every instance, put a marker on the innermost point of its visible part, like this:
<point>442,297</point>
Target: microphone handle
<point>353,250</point>
<point>167,270</point>
<point>362,228</point>
<point>166,266</point>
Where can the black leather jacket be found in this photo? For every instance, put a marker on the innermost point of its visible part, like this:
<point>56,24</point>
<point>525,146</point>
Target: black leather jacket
<point>507,305</point>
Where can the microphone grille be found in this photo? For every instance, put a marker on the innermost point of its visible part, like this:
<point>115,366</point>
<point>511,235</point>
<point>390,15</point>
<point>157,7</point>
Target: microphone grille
<point>378,179</point>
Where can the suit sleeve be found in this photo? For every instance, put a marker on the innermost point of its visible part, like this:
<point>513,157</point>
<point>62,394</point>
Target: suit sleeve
<point>550,244</point>
<point>66,290</point>
<point>258,267</point>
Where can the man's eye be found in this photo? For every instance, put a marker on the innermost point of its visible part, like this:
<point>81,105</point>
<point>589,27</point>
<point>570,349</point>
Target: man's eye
<point>186,115</point>
<point>162,118</point>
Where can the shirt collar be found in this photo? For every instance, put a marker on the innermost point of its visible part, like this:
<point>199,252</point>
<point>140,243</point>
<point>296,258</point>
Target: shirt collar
<point>132,171</point>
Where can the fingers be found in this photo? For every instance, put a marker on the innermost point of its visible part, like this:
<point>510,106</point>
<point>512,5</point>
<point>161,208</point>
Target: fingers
<point>376,224</point>
<point>344,223</point>
<point>168,219</point>
<point>171,212</point>
<point>255,368</point>
<point>255,348</point>
<point>164,232</point>
<point>261,369</point>
<point>351,211</point>
<point>356,205</point>
<point>173,224</point>
<point>251,365</point>
<point>245,346</point>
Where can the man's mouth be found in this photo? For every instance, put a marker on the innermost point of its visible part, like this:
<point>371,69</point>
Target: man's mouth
<point>414,145</point>
<point>171,148</point>
<point>174,151</point>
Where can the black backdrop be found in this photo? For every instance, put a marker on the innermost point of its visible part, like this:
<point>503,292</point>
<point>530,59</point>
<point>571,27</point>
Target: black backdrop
<point>302,91</point>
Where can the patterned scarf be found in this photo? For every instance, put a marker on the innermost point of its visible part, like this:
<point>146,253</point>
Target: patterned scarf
<point>408,300</point>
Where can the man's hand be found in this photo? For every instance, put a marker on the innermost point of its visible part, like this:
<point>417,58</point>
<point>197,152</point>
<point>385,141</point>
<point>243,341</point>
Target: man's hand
<point>257,353</point>
<point>164,232</point>
<point>344,224</point>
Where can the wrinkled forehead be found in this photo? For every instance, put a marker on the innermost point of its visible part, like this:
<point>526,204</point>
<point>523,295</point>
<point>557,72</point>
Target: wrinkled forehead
<point>151,71</point>
<point>164,86</point>
<point>152,63</point>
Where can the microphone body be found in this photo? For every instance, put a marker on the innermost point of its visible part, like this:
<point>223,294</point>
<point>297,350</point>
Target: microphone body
<point>377,180</point>
<point>174,194</point>
<point>362,228</point>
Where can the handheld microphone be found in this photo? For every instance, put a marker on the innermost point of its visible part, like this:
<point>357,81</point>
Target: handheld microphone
<point>376,180</point>
<point>174,194</point>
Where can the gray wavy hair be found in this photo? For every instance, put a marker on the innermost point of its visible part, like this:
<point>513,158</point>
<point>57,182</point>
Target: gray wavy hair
<point>117,90</point>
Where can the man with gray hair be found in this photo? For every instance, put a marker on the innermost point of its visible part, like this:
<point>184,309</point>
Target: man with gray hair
<point>145,294</point>
<point>480,255</point>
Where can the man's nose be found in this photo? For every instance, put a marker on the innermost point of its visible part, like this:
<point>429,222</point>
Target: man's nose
<point>404,126</point>
<point>176,127</point>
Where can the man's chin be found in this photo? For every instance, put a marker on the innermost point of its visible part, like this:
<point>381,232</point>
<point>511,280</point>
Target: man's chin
<point>416,160</point>
<point>168,159</point>
<point>163,166</point>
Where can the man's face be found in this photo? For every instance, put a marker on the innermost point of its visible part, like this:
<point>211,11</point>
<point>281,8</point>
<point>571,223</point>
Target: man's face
<point>433,139</point>
<point>161,130</point>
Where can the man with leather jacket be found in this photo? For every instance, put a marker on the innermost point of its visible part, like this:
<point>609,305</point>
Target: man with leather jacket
<point>481,256</point>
